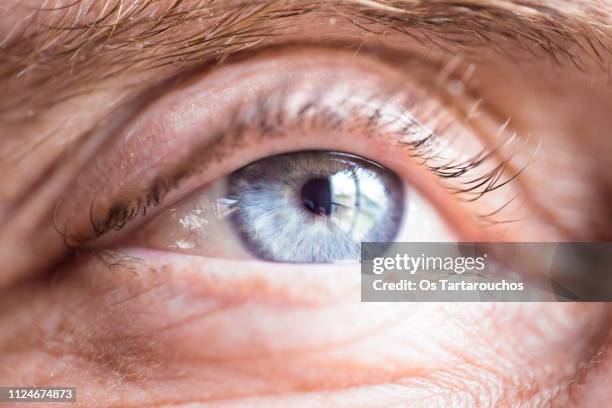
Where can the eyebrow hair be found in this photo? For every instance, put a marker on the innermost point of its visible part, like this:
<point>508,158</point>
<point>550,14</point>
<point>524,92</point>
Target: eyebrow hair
<point>55,48</point>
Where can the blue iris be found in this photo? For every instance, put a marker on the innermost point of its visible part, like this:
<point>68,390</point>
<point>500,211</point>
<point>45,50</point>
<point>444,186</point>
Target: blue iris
<point>314,206</point>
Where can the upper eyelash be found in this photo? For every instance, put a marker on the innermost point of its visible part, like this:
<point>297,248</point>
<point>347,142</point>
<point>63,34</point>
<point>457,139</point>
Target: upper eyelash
<point>267,118</point>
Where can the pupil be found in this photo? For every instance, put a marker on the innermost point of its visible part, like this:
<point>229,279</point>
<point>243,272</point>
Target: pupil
<point>317,196</point>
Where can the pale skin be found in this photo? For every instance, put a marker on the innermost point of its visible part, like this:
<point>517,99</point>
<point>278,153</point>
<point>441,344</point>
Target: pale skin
<point>165,328</point>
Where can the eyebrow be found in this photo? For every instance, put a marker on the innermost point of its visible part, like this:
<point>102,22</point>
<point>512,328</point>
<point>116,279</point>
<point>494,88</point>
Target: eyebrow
<point>60,46</point>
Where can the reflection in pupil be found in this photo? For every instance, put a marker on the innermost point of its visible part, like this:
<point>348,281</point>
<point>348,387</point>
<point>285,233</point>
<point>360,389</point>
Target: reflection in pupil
<point>317,196</point>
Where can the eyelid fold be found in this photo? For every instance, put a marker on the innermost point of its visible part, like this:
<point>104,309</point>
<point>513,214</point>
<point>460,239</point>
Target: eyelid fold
<point>192,136</point>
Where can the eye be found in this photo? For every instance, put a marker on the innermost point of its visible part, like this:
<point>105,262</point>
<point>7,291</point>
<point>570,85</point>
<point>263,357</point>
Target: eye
<point>343,151</point>
<point>298,207</point>
<point>310,206</point>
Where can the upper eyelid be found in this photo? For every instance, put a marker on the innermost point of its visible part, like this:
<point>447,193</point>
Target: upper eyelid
<point>121,211</point>
<point>226,138</point>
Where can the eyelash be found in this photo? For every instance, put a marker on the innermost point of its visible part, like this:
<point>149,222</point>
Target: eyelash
<point>267,117</point>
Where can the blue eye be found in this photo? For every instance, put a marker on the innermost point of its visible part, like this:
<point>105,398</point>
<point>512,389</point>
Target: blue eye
<point>315,206</point>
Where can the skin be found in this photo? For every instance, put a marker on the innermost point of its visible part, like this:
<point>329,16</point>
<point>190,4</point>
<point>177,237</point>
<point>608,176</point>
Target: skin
<point>151,327</point>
